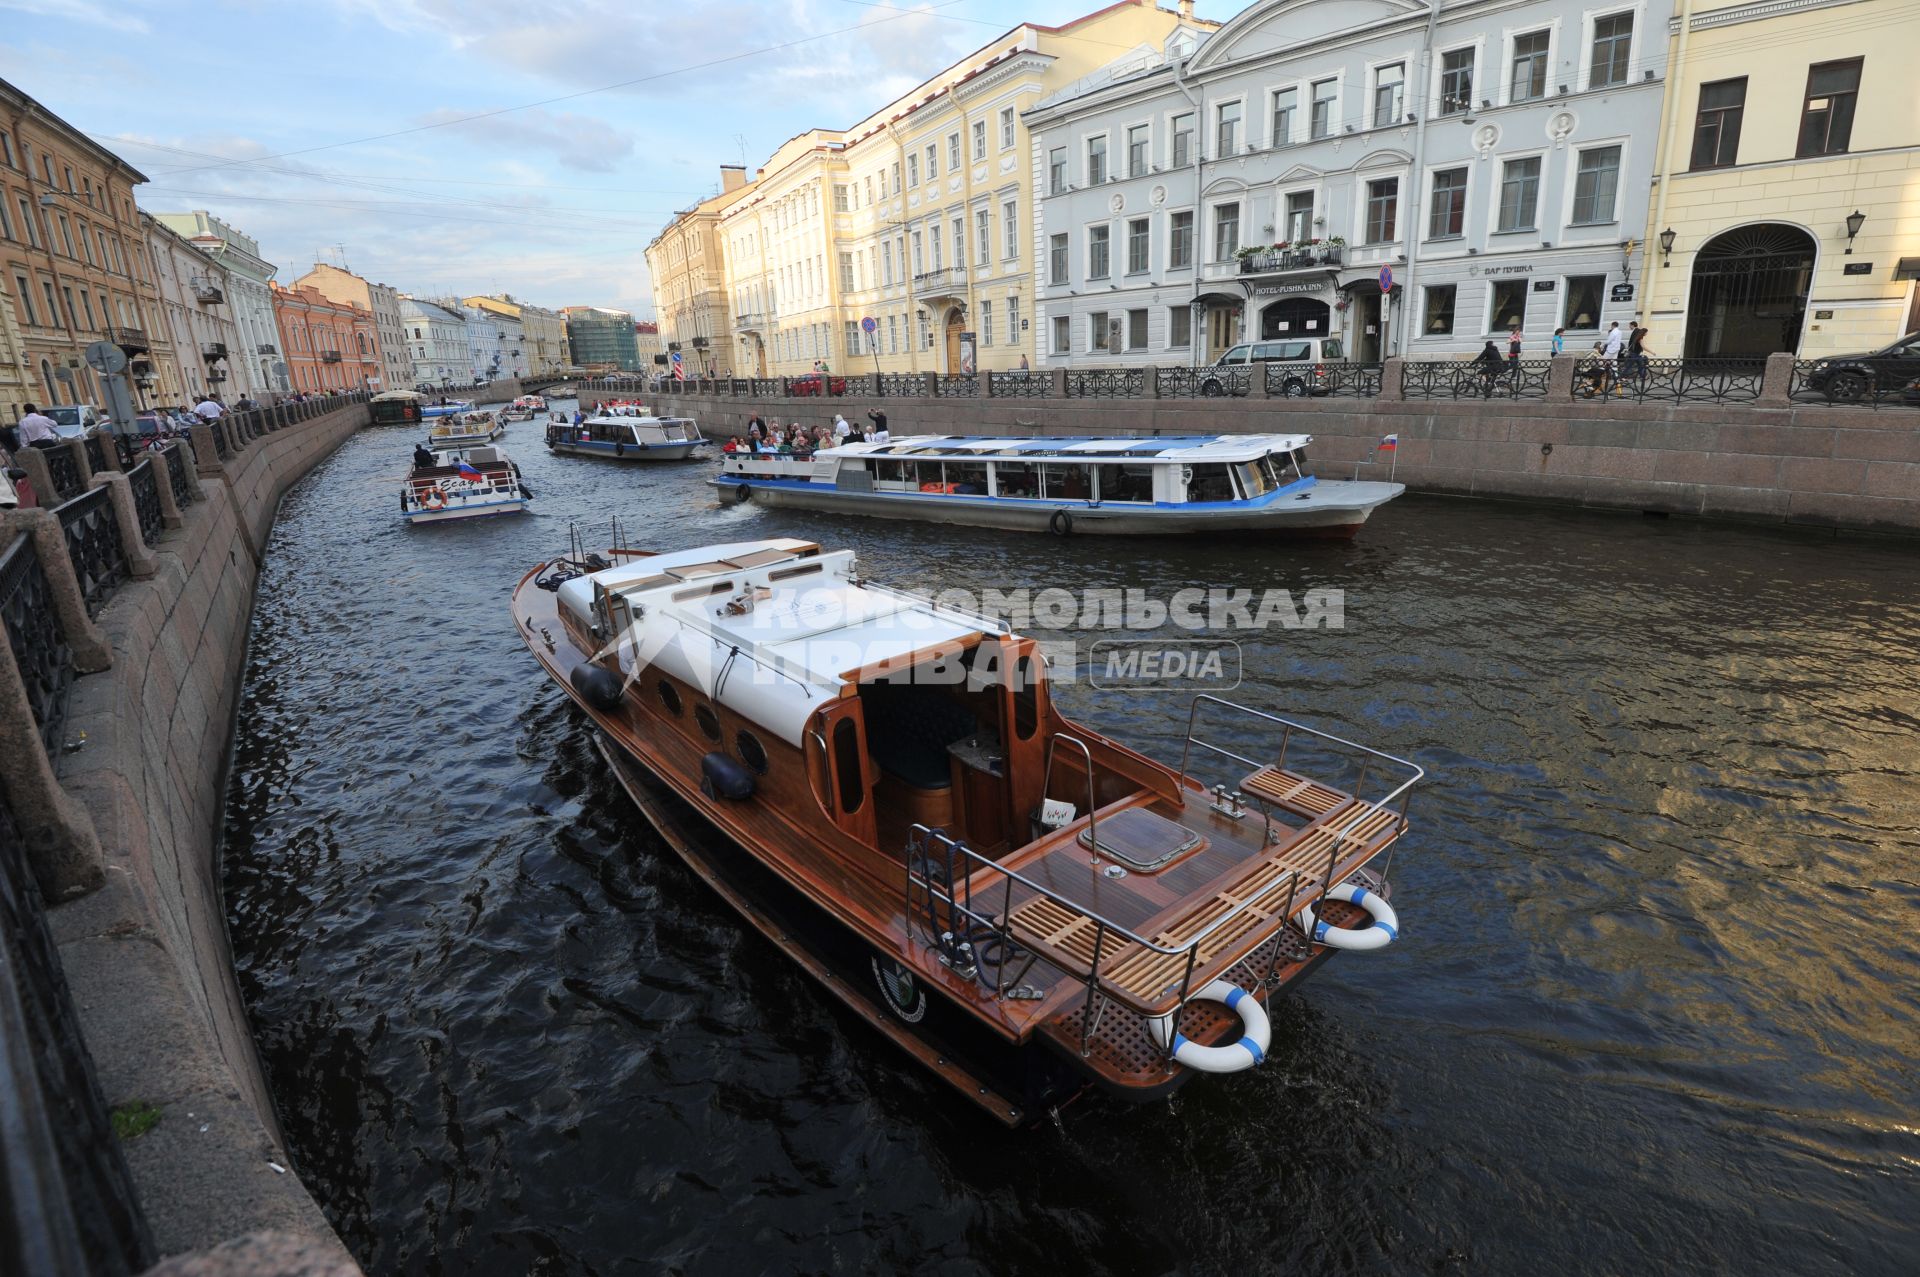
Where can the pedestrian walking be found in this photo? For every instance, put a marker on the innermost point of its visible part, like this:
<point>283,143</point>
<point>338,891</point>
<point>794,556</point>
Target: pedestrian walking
<point>37,429</point>
<point>841,428</point>
<point>1487,365</point>
<point>1559,340</point>
<point>209,409</point>
<point>1513,346</point>
<point>1615,341</point>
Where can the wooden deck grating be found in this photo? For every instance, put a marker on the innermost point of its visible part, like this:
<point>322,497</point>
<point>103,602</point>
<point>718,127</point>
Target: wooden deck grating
<point>1294,792</point>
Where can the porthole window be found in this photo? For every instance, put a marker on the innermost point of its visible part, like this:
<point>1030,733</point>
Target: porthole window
<point>708,720</point>
<point>752,752</point>
<point>669,697</point>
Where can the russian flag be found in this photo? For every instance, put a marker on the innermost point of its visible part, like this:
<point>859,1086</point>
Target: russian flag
<point>468,473</point>
<point>1389,443</point>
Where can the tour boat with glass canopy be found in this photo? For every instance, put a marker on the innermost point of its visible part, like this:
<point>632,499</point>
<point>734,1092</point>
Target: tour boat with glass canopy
<point>1166,484</point>
<point>885,788</point>
<point>446,408</point>
<point>525,408</point>
<point>463,483</point>
<point>466,431</point>
<point>627,432</point>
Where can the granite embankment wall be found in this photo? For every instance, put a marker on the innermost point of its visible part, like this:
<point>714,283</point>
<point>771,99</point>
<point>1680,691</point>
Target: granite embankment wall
<point>146,954</point>
<point>1834,467</point>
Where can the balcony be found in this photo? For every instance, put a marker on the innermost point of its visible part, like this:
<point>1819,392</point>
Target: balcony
<point>215,376</point>
<point>329,356</point>
<point>131,340</point>
<point>752,321</point>
<point>267,348</point>
<point>949,281</point>
<point>212,350</point>
<point>208,295</point>
<point>1314,257</point>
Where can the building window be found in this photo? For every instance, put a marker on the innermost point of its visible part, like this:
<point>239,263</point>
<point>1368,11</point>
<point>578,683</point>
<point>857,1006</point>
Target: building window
<point>896,179</point>
<point>1320,120</point>
<point>1383,205</point>
<point>1299,217</point>
<point>1438,319</point>
<point>1139,147</point>
<point>1509,305</point>
<point>986,323</point>
<point>1226,232</point>
<point>983,237</point>
<point>846,272</point>
<point>1180,148</point>
<point>1062,335</point>
<point>959,244</point>
<point>1096,160</point>
<point>1138,238</point>
<point>1519,194</point>
<point>1716,132</point>
<point>840,197</point>
<point>1529,79</point>
<point>1136,330</point>
<point>1010,230</point>
<point>1056,170</point>
<point>1179,327</point>
<point>1013,319</point>
<point>26,301</point>
<point>933,161</point>
<point>850,337</point>
<point>919,256</point>
<point>1006,127</point>
<point>6,151</point>
<point>1456,81</point>
<point>1612,51</point>
<point>1285,103</point>
<point>893,336</point>
<point>1180,241</point>
<point>1057,259</point>
<point>1826,121</point>
<point>1594,186</point>
<point>1098,335</point>
<point>1583,302</point>
<point>979,139</point>
<point>1099,251</point>
<point>1226,131</point>
<point>933,246</point>
<point>886,262</point>
<point>913,170</point>
<point>1447,217</point>
<point>1389,92</point>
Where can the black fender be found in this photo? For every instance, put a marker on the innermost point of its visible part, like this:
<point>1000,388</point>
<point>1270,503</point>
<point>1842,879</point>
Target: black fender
<point>597,687</point>
<point>722,776</point>
<point>741,493</point>
<point>1061,524</point>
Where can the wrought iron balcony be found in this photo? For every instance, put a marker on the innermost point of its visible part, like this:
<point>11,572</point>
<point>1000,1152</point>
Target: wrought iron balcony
<point>751,320</point>
<point>208,294</point>
<point>949,281</point>
<point>268,348</point>
<point>1310,257</point>
<point>329,356</point>
<point>215,376</point>
<point>214,349</point>
<point>131,340</point>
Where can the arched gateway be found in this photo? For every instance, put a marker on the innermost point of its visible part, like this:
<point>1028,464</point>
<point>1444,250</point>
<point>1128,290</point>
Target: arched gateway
<point>1749,292</point>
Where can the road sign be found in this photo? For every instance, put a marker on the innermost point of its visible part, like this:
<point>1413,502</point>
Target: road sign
<point>868,324</point>
<point>105,357</point>
<point>1386,279</point>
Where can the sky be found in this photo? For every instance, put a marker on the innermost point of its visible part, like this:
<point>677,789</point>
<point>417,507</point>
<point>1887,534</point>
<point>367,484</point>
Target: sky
<point>473,146</point>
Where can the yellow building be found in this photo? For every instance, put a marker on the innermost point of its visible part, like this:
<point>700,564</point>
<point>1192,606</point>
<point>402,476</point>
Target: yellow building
<point>919,217</point>
<point>1789,178</point>
<point>690,283</point>
<point>543,332</point>
<point>15,388</point>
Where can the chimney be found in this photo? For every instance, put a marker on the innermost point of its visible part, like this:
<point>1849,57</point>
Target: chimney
<point>732,177</point>
<point>1186,10</point>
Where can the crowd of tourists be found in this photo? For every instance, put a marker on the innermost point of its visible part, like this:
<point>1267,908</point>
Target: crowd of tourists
<point>797,440</point>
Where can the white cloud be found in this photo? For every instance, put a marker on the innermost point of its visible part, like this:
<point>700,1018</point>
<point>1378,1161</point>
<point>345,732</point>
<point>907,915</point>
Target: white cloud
<point>581,142</point>
<point>114,17</point>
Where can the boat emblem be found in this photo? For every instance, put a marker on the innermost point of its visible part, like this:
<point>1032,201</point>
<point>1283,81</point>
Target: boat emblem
<point>903,994</point>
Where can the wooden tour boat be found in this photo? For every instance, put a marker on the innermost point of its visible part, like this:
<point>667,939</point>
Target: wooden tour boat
<point>1204,483</point>
<point>463,484</point>
<point>466,430</point>
<point>884,787</point>
<point>627,432</point>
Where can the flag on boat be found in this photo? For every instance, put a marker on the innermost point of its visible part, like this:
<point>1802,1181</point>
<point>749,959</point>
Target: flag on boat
<point>1388,443</point>
<point>468,473</point>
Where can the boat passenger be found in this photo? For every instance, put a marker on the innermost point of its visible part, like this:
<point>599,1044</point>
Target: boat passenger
<point>422,456</point>
<point>840,428</point>
<point>879,420</point>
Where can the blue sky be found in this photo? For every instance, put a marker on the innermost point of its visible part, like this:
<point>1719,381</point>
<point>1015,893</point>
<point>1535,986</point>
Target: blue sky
<point>242,108</point>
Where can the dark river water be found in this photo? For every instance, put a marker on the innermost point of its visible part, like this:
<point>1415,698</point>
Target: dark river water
<point>1653,1010</point>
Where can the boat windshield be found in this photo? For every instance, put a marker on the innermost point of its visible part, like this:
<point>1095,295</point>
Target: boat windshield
<point>1209,482</point>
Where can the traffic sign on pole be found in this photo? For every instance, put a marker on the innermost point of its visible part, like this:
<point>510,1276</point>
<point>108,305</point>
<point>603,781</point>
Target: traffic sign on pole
<point>1386,279</point>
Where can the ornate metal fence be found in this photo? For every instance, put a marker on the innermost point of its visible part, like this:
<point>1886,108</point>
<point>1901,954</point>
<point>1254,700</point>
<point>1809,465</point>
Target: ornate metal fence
<point>176,455</point>
<point>1351,381</point>
<point>96,455</point>
<point>67,1204</point>
<point>93,543</point>
<point>1688,380</point>
<point>64,470</point>
<point>957,388</point>
<point>126,448</point>
<point>146,500</point>
<point>895,385</point>
<point>1205,383</point>
<point>1470,379</point>
<point>1021,385</point>
<point>221,447</point>
<point>1108,383</point>
<point>39,645</point>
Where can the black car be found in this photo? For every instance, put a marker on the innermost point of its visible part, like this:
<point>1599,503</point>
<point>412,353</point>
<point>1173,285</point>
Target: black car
<point>1848,378</point>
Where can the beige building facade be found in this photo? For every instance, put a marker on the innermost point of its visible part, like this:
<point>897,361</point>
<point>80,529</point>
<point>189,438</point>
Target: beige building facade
<point>687,263</point>
<point>195,342</point>
<point>390,333</point>
<point>539,334</point>
<point>1789,180</point>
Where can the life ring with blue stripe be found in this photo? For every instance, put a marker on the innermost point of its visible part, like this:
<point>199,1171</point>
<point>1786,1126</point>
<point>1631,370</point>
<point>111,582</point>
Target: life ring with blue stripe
<point>1383,932</point>
<point>1250,1050</point>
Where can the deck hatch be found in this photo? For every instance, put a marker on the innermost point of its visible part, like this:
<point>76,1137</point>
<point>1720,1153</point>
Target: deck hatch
<point>1141,839</point>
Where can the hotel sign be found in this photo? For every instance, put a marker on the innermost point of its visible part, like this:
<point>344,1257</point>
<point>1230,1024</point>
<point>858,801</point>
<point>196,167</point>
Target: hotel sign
<point>1277,290</point>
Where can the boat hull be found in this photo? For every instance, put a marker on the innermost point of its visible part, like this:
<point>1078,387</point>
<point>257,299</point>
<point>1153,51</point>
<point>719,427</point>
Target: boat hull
<point>472,510</point>
<point>1329,510</point>
<point>479,440</point>
<point>613,451</point>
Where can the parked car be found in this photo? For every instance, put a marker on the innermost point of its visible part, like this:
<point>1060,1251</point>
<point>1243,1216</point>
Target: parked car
<point>72,421</point>
<point>1847,378</point>
<point>809,384</point>
<point>1304,360</point>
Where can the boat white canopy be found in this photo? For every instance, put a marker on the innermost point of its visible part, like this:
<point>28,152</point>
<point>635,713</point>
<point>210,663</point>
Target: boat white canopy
<point>1184,449</point>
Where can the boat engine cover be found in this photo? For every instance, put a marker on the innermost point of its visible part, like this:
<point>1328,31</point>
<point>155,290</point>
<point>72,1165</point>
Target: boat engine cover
<point>724,777</point>
<point>597,687</point>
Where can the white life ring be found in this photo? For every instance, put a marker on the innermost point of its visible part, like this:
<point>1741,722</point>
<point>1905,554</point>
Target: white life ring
<point>1384,931</point>
<point>1231,1058</point>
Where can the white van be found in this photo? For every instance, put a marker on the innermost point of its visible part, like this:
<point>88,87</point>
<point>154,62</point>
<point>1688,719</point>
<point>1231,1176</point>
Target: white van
<point>72,421</point>
<point>1304,358</point>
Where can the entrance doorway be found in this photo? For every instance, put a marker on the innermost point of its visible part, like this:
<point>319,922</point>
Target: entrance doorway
<point>1223,329</point>
<point>1749,293</point>
<point>1295,317</point>
<point>955,323</point>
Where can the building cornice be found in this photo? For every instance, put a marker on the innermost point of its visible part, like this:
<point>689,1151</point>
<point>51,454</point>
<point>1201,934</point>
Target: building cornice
<point>1758,12</point>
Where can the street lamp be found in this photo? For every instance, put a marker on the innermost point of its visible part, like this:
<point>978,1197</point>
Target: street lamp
<point>1854,223</point>
<point>1666,244</point>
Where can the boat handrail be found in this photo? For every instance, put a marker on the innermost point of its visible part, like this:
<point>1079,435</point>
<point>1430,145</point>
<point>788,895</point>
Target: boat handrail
<point>996,626</point>
<point>1093,801</point>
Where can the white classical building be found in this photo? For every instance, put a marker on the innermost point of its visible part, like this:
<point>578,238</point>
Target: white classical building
<point>514,361</point>
<point>249,302</point>
<point>436,343</point>
<point>195,319</point>
<point>483,339</point>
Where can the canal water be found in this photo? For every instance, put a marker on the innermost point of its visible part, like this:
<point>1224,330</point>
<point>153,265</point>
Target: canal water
<point>1652,1009</point>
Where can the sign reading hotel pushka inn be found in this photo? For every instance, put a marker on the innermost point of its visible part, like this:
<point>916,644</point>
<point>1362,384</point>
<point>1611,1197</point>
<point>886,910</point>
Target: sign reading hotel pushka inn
<point>1276,290</point>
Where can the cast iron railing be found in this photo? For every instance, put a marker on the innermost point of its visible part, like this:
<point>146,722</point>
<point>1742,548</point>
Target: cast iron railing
<point>1108,383</point>
<point>67,1205</point>
<point>1688,380</point>
<point>1021,385</point>
<point>1349,381</point>
<point>93,543</point>
<point>956,387</point>
<point>146,500</point>
<point>897,385</point>
<point>176,455</point>
<point>1205,383</point>
<point>1470,379</point>
<point>221,447</point>
<point>64,471</point>
<point>96,455</point>
<point>39,645</point>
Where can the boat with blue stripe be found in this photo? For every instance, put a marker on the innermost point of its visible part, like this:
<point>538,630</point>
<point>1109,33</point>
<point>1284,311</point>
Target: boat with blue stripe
<point>627,432</point>
<point>1064,485</point>
<point>446,409</point>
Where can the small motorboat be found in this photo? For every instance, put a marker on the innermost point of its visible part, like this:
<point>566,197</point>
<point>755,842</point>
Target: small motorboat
<point>446,408</point>
<point>463,483</point>
<point>465,431</point>
<point>525,408</point>
<point>627,432</point>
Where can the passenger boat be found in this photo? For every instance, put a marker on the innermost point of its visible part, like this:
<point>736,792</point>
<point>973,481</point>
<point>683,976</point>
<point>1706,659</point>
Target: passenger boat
<point>463,483</point>
<point>395,408</point>
<point>466,430</point>
<point>627,432</point>
<point>525,408</point>
<point>445,409</point>
<point>1200,483</point>
<point>885,788</point>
